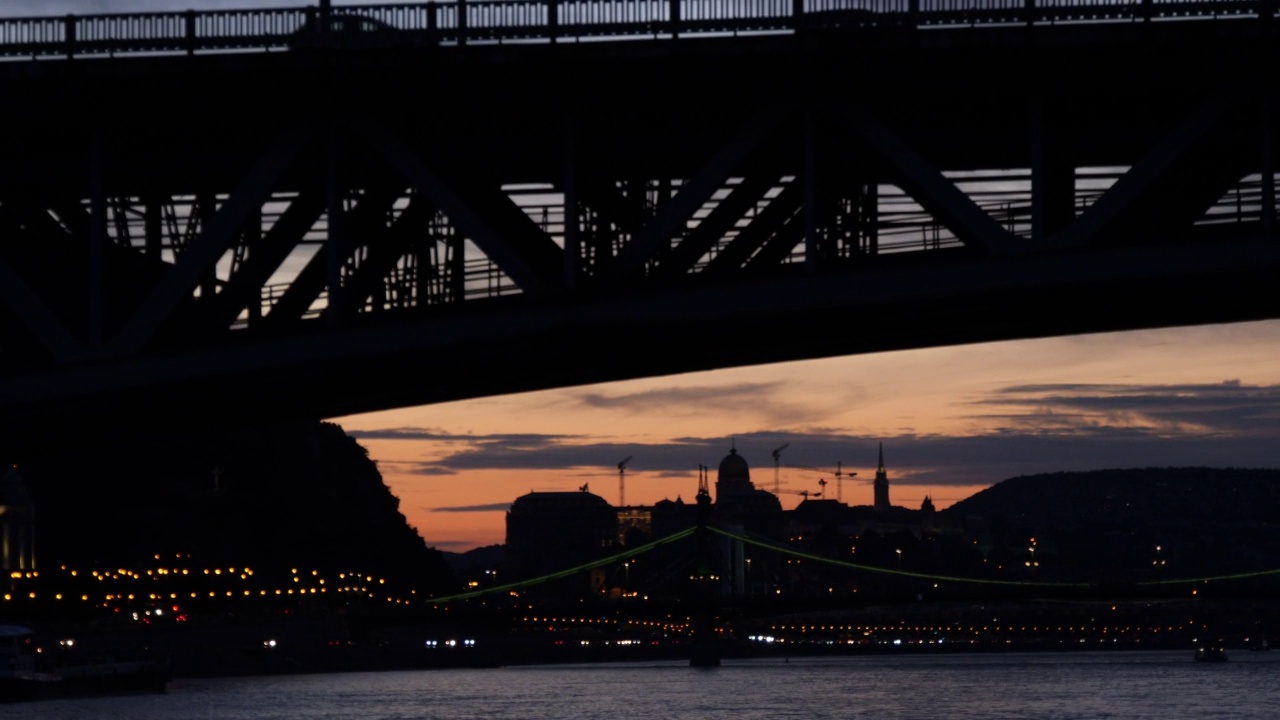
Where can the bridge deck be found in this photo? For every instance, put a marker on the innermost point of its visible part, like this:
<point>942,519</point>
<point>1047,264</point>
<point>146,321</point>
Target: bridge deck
<point>344,227</point>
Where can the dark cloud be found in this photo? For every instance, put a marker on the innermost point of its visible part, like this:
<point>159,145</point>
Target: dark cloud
<point>692,398</point>
<point>454,545</point>
<point>1230,407</point>
<point>493,507</point>
<point>403,434</point>
<point>769,403</point>
<point>412,467</point>
<point>427,470</point>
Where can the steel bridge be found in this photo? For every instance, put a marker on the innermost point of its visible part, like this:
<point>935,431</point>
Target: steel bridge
<point>246,215</point>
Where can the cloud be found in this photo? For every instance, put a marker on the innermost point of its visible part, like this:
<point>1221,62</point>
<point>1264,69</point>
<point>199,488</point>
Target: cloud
<point>768,402</point>
<point>415,434</point>
<point>1230,407</point>
<point>492,507</point>
<point>1024,429</point>
<point>454,545</point>
<point>690,398</point>
<point>434,435</point>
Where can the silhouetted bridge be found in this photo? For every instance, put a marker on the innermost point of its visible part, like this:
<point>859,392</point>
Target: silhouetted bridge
<point>236,215</point>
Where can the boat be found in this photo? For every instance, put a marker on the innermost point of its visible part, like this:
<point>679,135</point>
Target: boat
<point>1211,652</point>
<point>22,677</point>
<point>19,679</point>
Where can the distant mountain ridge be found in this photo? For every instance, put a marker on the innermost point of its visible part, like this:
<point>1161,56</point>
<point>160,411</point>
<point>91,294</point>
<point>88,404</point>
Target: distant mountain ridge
<point>1171,495</point>
<point>1168,522</point>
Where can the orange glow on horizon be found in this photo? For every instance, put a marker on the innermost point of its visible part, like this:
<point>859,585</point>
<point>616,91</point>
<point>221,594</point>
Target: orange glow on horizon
<point>950,392</point>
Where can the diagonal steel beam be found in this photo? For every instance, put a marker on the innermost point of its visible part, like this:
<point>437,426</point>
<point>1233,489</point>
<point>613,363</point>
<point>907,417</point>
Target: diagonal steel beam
<point>74,216</point>
<point>265,257</point>
<point>934,191</point>
<point>314,276</point>
<point>692,195</point>
<point>36,315</point>
<point>713,227</point>
<point>754,236</point>
<point>252,191</point>
<point>778,246</point>
<point>1119,204</point>
<point>390,246</point>
<point>502,232</point>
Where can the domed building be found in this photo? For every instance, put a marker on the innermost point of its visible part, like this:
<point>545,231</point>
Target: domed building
<point>739,502</point>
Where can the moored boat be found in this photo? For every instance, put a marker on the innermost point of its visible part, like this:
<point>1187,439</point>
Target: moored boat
<point>23,678</point>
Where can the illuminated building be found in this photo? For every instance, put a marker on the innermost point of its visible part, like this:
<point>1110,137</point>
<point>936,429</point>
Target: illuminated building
<point>634,520</point>
<point>17,525</point>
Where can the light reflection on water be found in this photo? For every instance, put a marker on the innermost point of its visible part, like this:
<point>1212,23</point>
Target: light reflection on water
<point>1046,686</point>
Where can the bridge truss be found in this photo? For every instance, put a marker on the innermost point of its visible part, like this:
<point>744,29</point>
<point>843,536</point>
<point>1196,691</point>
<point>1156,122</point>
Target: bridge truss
<point>340,229</point>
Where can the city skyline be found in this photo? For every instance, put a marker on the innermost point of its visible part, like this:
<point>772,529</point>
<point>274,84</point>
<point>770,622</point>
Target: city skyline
<point>953,421</point>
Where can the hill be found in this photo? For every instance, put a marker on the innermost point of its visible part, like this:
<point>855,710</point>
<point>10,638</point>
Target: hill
<point>282,497</point>
<point>1193,520</point>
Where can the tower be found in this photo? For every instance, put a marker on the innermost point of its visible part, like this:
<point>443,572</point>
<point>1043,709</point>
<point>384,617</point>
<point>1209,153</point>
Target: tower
<point>17,525</point>
<point>881,485</point>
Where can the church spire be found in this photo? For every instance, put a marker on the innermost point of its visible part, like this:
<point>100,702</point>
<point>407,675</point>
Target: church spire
<point>881,485</point>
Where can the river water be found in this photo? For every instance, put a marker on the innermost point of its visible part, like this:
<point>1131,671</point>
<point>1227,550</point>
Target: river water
<point>1163,685</point>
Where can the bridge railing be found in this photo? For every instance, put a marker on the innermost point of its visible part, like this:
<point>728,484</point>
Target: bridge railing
<point>452,22</point>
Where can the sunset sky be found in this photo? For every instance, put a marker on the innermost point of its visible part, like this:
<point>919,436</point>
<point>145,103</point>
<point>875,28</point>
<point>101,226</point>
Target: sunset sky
<point>952,420</point>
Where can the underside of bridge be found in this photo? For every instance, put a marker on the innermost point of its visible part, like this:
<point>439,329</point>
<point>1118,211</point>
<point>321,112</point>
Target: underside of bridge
<point>273,236</point>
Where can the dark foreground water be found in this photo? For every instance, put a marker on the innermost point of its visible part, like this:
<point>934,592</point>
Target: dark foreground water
<point>1050,686</point>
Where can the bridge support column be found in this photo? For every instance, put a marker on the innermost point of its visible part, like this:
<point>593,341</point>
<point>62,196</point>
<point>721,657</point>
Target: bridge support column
<point>572,230</point>
<point>462,22</point>
<point>813,251</point>
<point>97,240</point>
<point>704,650</point>
<point>869,217</point>
<point>1052,177</point>
<point>1268,164</point>
<point>334,245</point>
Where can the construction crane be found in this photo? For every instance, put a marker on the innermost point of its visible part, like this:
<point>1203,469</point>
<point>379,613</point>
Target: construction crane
<point>839,484</point>
<point>802,493</point>
<point>777,457</point>
<point>839,474</point>
<point>622,477</point>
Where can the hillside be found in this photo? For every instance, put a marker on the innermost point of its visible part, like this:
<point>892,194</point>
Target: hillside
<point>297,496</point>
<point>1193,520</point>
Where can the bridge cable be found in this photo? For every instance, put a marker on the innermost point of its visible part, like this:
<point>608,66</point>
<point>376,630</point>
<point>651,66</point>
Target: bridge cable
<point>948,578</point>
<point>885,571</point>
<point>568,571</point>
